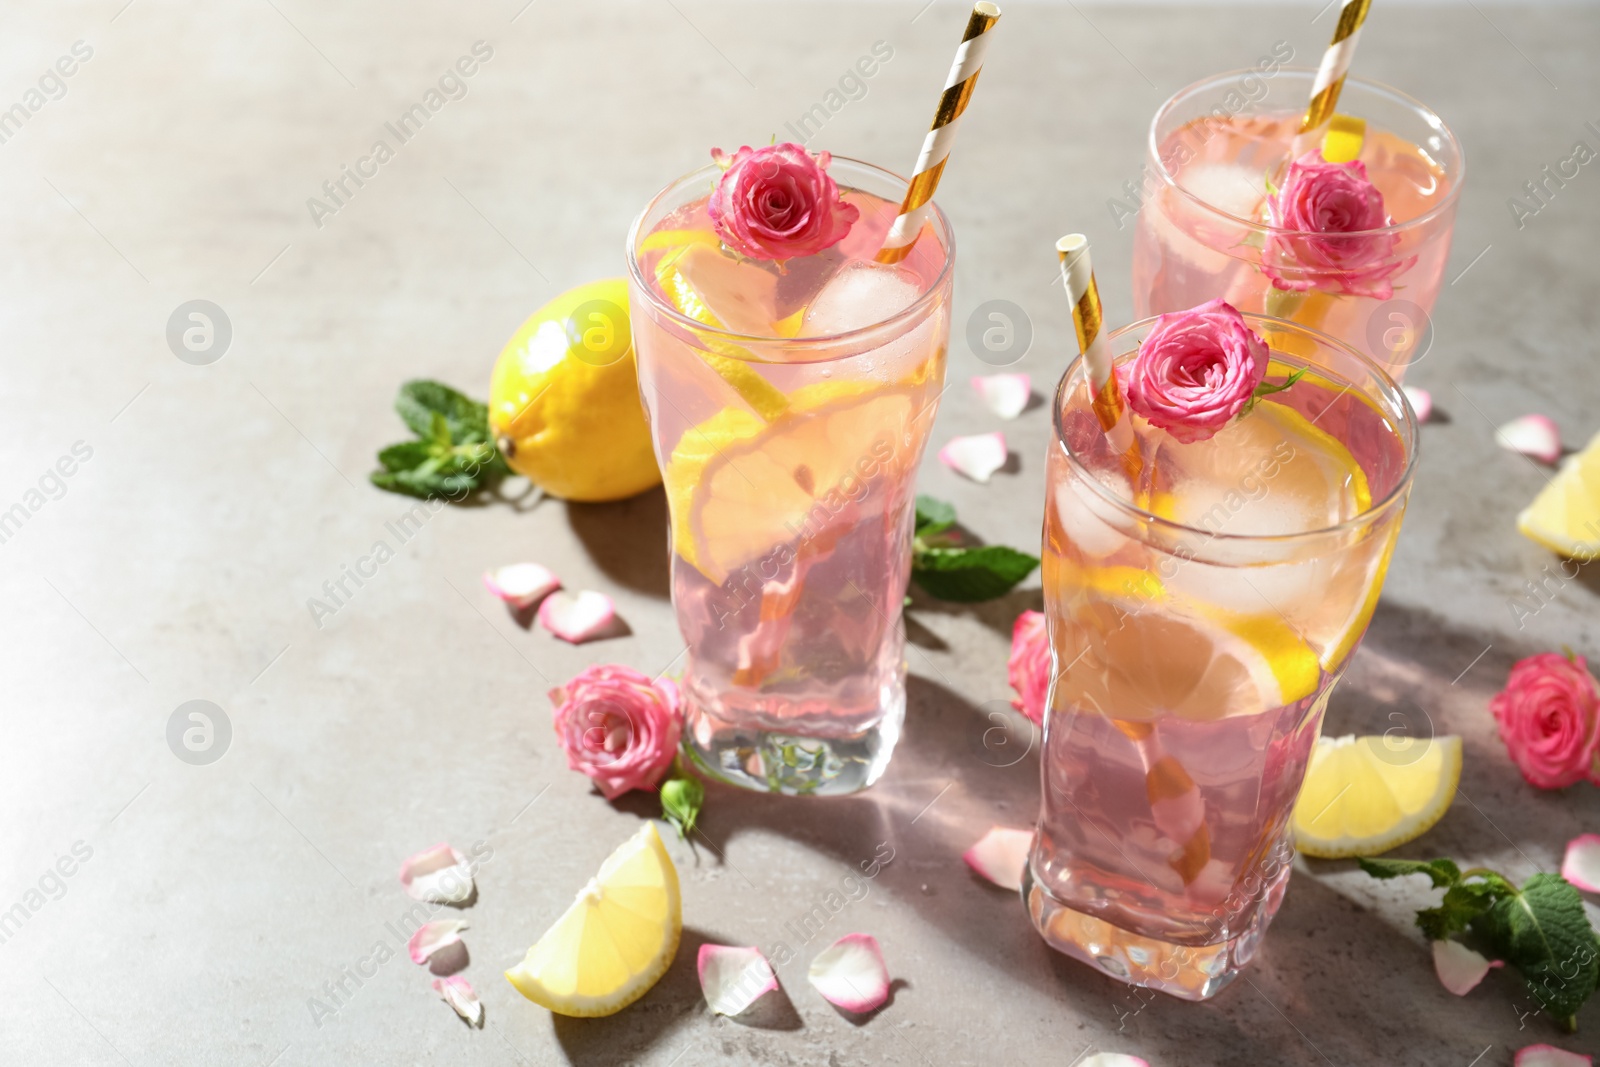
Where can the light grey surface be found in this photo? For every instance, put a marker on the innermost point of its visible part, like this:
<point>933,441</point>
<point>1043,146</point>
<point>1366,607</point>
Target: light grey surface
<point>218,499</point>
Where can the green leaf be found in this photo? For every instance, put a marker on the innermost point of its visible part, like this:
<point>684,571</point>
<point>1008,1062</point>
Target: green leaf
<point>933,513</point>
<point>405,456</point>
<point>967,575</point>
<point>1543,932</point>
<point>454,454</point>
<point>1463,902</point>
<point>1443,872</point>
<point>420,400</point>
<point>682,797</point>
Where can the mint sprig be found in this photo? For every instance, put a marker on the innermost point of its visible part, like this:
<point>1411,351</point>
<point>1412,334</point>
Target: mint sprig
<point>946,568</point>
<point>1540,929</point>
<point>454,453</point>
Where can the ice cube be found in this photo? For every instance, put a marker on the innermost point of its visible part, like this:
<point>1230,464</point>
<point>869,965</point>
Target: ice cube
<point>860,295</point>
<point>1228,187</point>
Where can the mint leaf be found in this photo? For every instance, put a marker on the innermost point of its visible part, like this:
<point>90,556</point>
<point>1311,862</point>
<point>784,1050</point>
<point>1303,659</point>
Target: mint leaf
<point>1543,932</point>
<point>1463,903</point>
<point>933,516</point>
<point>405,456</point>
<point>454,453</point>
<point>1443,872</point>
<point>971,574</point>
<point>682,797</point>
<point>420,400</point>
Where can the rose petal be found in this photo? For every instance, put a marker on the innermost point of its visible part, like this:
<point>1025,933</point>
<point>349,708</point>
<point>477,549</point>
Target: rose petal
<point>577,618</point>
<point>1421,401</point>
<point>1549,1056</point>
<point>521,585</point>
<point>1004,394</point>
<point>431,937</point>
<point>850,973</point>
<point>1459,968</point>
<point>459,994</point>
<point>1000,855</point>
<point>734,978</point>
<point>1532,435</point>
<point>439,875</point>
<point>1112,1059</point>
<point>1581,866</point>
<point>977,457</point>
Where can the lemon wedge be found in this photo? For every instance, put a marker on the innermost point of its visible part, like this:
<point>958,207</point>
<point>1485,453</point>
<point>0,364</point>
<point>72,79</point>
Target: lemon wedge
<point>1565,516</point>
<point>1366,795</point>
<point>615,941</point>
<point>1344,138</point>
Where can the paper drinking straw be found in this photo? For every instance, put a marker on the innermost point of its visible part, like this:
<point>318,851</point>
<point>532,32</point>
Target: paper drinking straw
<point>1077,274</point>
<point>958,88</point>
<point>1330,75</point>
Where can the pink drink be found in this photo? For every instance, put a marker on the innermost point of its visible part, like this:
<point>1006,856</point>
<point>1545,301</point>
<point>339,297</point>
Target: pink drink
<point>1200,613</point>
<point>1202,228</point>
<point>789,407</point>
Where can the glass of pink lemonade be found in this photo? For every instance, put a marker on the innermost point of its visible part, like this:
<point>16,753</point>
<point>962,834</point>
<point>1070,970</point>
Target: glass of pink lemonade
<point>789,403</point>
<point>1201,603</point>
<point>1205,229</point>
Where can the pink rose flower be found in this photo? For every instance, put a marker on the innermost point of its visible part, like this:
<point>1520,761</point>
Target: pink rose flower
<point>1195,370</point>
<point>778,202</point>
<point>1549,716</point>
<point>618,727</point>
<point>1328,205</point>
<point>1029,666</point>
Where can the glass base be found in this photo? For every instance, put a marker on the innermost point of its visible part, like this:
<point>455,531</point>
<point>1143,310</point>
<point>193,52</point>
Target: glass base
<point>1189,972</point>
<point>774,761</point>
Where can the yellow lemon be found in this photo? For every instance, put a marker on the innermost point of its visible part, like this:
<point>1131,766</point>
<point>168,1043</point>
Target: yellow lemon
<point>1366,795</point>
<point>564,400</point>
<point>1565,516</point>
<point>615,941</point>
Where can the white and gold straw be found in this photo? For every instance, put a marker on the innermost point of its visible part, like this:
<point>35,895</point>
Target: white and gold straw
<point>1330,75</point>
<point>936,146</point>
<point>1077,274</point>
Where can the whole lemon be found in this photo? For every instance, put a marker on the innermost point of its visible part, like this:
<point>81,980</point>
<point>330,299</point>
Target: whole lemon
<point>564,400</point>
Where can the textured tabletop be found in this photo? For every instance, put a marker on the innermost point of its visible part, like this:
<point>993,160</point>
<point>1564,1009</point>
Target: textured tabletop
<point>209,904</point>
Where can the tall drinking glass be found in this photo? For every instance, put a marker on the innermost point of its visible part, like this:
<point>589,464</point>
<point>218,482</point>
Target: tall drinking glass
<point>1203,229</point>
<point>789,405</point>
<point>1201,604</point>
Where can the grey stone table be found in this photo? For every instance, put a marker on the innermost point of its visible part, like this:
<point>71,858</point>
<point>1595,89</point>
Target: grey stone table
<point>208,502</point>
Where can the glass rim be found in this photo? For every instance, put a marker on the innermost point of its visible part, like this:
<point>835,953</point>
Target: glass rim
<point>1429,116</point>
<point>916,307</point>
<point>1368,515</point>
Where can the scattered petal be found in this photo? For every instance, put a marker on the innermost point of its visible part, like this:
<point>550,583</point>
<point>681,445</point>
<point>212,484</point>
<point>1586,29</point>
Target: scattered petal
<point>977,457</point>
<point>439,875</point>
<point>1581,866</point>
<point>1459,968</point>
<point>577,618</point>
<point>1112,1059</point>
<point>1550,1056</point>
<point>521,585</point>
<point>734,978</point>
<point>431,937</point>
<point>1532,435</point>
<point>1421,401</point>
<point>459,994</point>
<point>1004,394</point>
<point>1000,855</point>
<point>850,973</point>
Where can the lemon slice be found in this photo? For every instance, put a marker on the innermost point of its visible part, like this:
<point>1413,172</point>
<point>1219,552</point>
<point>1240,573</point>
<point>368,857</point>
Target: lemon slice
<point>1565,516</point>
<point>1344,138</point>
<point>615,941</point>
<point>1366,795</point>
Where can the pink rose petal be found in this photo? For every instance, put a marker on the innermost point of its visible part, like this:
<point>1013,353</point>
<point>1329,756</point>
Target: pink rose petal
<point>459,994</point>
<point>431,937</point>
<point>1549,1056</point>
<point>521,585</point>
<point>438,875</point>
<point>1004,394</point>
<point>1421,401</point>
<point>850,973</point>
<point>1112,1059</point>
<point>1000,855</point>
<point>1532,435</point>
<point>978,457</point>
<point>1459,968</point>
<point>1581,866</point>
<point>734,978</point>
<point>577,618</point>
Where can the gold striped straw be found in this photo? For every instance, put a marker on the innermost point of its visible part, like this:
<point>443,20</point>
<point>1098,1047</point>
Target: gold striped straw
<point>1330,75</point>
<point>1077,274</point>
<point>958,88</point>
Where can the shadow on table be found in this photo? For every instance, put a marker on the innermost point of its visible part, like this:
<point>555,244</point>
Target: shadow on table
<point>627,539</point>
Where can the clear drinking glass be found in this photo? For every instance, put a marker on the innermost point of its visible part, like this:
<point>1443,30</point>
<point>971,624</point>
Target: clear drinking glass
<point>1202,232</point>
<point>789,407</point>
<point>1199,613</point>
